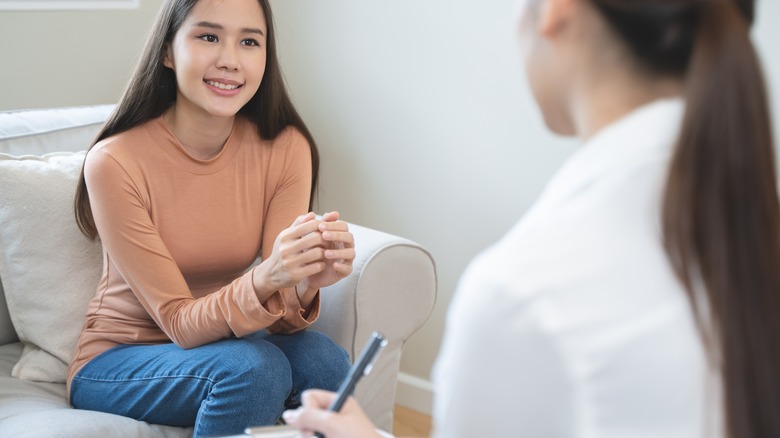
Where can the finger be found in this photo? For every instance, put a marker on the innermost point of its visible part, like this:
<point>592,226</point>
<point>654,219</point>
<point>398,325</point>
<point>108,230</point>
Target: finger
<point>343,269</point>
<point>340,254</point>
<point>313,414</point>
<point>310,269</point>
<point>334,226</point>
<point>290,251</point>
<point>304,264</point>
<point>307,227</point>
<point>339,236</point>
<point>296,231</point>
<point>331,216</point>
<point>317,398</point>
<point>309,419</point>
<point>308,241</point>
<point>308,256</point>
<point>304,218</point>
<point>299,231</point>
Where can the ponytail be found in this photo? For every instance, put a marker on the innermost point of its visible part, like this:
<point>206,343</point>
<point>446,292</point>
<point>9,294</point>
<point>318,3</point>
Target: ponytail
<point>721,214</point>
<point>721,217</point>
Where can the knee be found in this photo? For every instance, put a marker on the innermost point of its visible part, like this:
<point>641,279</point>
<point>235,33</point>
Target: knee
<point>329,349</point>
<point>260,366</point>
<point>330,360</point>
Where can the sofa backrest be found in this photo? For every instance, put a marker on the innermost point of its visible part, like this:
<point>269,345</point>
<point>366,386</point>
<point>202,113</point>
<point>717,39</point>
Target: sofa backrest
<point>38,132</point>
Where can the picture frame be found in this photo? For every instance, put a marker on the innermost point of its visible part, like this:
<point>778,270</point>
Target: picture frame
<point>66,5</point>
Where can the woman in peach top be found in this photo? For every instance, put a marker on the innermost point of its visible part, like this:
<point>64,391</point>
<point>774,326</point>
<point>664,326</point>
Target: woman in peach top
<point>204,167</point>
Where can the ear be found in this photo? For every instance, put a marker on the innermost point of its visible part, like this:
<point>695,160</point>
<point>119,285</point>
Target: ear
<point>554,15</point>
<point>168,56</point>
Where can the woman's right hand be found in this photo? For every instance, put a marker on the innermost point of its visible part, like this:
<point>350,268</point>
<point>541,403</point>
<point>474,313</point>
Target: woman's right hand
<point>298,253</point>
<point>314,416</point>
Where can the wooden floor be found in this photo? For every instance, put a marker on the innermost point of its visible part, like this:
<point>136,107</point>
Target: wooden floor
<point>410,423</point>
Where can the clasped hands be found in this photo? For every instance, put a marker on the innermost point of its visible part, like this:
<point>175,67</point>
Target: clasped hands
<point>310,254</point>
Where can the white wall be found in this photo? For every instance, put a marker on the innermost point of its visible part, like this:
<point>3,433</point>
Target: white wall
<point>62,58</point>
<point>419,107</point>
<point>426,127</point>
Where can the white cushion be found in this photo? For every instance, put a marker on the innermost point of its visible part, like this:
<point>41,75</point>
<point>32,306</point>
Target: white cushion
<point>35,409</point>
<point>49,269</point>
<point>37,132</point>
<point>7,331</point>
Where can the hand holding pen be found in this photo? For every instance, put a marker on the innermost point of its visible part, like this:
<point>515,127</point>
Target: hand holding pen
<point>343,418</point>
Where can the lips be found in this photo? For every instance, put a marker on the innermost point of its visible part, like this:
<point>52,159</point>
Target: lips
<point>223,85</point>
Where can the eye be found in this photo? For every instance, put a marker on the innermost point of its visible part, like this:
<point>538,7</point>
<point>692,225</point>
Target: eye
<point>209,38</point>
<point>250,42</point>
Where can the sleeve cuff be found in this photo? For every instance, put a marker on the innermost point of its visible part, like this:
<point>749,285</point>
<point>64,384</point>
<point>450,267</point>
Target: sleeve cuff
<point>296,318</point>
<point>251,315</point>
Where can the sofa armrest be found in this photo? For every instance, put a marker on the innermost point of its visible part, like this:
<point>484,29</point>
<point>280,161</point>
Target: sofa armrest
<point>392,289</point>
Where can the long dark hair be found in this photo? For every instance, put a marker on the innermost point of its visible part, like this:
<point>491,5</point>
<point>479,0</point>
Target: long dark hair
<point>152,89</point>
<point>721,215</point>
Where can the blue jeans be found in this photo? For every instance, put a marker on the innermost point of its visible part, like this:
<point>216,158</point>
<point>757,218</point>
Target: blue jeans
<point>220,388</point>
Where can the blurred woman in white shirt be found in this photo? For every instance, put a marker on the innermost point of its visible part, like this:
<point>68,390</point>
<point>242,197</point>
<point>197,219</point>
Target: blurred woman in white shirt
<point>640,296</point>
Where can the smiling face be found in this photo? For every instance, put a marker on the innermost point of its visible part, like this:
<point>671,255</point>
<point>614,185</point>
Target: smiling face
<point>218,56</point>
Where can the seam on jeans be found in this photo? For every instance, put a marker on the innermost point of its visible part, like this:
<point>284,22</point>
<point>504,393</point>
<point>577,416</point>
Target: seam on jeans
<point>136,379</point>
<point>207,400</point>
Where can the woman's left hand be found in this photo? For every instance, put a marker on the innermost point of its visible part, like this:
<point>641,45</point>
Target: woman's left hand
<point>338,255</point>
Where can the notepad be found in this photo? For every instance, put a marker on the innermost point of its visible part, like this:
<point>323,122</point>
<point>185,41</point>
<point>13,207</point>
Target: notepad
<point>273,432</point>
<point>285,432</point>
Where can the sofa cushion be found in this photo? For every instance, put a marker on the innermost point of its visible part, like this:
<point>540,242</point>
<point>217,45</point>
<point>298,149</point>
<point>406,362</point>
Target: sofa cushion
<point>7,332</point>
<point>48,268</point>
<point>37,132</point>
<point>40,131</point>
<point>36,409</point>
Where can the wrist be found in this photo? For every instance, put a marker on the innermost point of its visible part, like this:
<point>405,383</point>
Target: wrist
<point>305,293</point>
<point>262,284</point>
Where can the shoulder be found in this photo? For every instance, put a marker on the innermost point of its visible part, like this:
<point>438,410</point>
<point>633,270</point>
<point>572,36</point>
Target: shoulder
<point>284,158</point>
<point>289,144</point>
<point>118,152</point>
<point>579,263</point>
<point>293,140</point>
<point>499,347</point>
<point>125,143</point>
<point>499,286</point>
<point>293,148</point>
<point>289,137</point>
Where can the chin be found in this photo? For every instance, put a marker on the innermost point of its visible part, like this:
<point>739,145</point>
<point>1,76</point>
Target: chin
<point>224,112</point>
<point>557,120</point>
<point>226,108</point>
<point>558,127</point>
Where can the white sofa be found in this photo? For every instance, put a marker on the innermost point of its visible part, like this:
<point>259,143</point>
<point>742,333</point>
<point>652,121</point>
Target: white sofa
<point>49,272</point>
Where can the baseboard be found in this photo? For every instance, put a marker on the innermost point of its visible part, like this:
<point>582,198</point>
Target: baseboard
<point>414,393</point>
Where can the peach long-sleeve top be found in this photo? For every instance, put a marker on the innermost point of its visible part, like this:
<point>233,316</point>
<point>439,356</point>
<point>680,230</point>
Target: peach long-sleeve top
<point>179,236</point>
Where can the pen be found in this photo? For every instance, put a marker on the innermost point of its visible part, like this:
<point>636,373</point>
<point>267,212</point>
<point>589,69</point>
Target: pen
<point>360,368</point>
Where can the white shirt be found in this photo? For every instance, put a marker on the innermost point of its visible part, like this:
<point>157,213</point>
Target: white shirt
<point>574,324</point>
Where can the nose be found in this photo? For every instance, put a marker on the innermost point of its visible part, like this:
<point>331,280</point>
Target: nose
<point>228,58</point>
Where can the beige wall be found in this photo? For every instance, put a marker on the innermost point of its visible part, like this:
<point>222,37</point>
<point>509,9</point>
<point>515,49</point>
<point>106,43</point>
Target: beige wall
<point>63,58</point>
<point>419,106</point>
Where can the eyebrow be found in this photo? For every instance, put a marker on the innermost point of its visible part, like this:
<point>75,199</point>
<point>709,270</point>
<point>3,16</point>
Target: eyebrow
<point>211,25</point>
